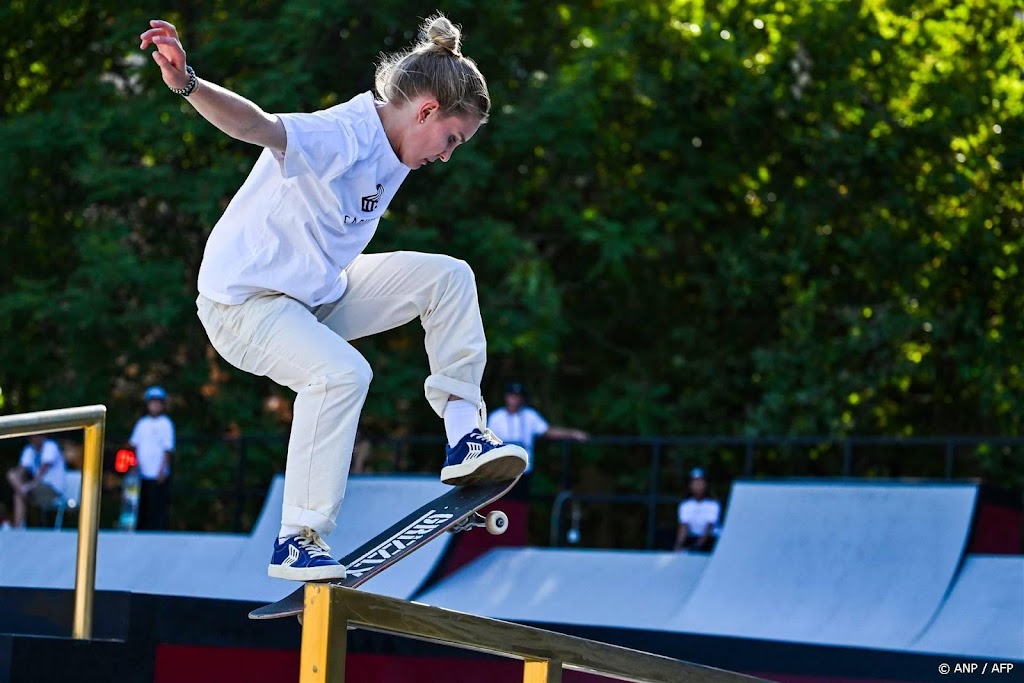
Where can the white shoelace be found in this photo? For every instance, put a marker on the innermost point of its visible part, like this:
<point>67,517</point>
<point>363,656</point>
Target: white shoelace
<point>311,542</point>
<point>488,436</point>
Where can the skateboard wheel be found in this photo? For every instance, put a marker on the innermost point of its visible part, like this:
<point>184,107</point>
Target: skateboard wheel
<point>497,522</point>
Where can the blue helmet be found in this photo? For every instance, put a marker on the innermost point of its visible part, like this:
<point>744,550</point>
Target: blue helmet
<point>155,392</point>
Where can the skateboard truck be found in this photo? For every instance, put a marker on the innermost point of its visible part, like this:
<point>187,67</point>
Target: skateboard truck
<point>496,522</point>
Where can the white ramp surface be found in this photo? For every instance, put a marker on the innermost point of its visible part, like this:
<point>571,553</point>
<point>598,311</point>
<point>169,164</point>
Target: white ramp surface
<point>226,566</point>
<point>843,563</point>
<point>984,614</point>
<point>630,589</point>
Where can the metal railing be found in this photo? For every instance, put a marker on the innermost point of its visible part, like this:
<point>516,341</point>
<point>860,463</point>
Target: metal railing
<point>93,420</point>
<point>244,468</point>
<point>331,610</point>
<point>659,460</point>
<point>941,446</point>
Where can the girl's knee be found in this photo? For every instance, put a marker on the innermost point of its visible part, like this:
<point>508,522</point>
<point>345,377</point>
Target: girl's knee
<point>357,375</point>
<point>457,270</point>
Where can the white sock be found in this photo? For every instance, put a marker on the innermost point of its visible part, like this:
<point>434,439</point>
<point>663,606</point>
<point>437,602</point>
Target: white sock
<point>460,418</point>
<point>289,530</point>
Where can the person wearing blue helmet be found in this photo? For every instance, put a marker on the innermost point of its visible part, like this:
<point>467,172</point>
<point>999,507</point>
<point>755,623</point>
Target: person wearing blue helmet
<point>155,394</point>
<point>153,441</point>
<point>699,516</point>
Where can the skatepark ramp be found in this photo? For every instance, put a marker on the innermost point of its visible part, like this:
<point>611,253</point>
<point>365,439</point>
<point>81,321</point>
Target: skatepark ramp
<point>877,565</point>
<point>163,562</point>
<point>988,595</point>
<point>558,586</point>
<point>331,610</point>
<point>861,564</point>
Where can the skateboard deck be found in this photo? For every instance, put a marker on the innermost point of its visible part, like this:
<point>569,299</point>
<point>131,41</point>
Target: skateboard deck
<point>455,510</point>
<point>130,490</point>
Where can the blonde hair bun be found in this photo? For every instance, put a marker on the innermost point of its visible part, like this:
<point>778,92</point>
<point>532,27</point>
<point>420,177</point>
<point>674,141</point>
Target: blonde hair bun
<point>435,66</point>
<point>438,30</point>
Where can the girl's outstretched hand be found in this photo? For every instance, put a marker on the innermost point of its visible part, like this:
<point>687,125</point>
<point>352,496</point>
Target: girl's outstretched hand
<point>169,55</point>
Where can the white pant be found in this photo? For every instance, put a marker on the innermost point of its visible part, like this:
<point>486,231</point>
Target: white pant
<point>308,350</point>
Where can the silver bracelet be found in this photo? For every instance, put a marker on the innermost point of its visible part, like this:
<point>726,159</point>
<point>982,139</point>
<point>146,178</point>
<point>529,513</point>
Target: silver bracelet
<point>192,83</point>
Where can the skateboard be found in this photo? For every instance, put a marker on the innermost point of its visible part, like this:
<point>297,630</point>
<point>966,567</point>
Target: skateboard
<point>131,487</point>
<point>454,511</point>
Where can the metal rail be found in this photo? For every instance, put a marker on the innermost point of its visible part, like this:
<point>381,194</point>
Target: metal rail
<point>657,456</point>
<point>93,420</point>
<point>331,610</point>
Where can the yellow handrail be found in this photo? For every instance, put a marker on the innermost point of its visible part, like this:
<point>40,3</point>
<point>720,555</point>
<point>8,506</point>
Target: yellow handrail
<point>330,610</point>
<point>93,420</point>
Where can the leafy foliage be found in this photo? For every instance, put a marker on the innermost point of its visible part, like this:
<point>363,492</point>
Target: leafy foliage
<point>753,217</point>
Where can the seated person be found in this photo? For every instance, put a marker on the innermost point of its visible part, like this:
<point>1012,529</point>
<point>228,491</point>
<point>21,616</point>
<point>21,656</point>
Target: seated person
<point>37,478</point>
<point>698,517</point>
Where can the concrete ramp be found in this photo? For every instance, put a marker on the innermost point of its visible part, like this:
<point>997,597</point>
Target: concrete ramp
<point>628,589</point>
<point>139,562</point>
<point>841,563</point>
<point>984,614</point>
<point>226,566</point>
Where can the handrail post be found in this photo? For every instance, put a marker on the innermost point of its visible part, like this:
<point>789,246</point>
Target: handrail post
<point>88,529</point>
<point>324,638</point>
<point>542,671</point>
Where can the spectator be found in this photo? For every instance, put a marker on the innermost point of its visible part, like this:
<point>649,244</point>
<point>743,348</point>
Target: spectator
<point>38,477</point>
<point>518,423</point>
<point>698,516</point>
<point>153,441</point>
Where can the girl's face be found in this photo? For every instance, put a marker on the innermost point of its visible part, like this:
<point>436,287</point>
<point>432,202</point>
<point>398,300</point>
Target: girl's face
<point>432,137</point>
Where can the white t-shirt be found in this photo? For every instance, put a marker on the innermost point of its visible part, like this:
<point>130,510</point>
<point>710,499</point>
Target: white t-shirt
<point>48,454</point>
<point>697,514</point>
<point>151,438</point>
<point>301,217</point>
<point>519,428</point>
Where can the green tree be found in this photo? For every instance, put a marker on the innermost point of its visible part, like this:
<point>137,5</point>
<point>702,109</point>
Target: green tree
<point>685,217</point>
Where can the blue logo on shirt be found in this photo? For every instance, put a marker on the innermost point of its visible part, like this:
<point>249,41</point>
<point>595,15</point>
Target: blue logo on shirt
<point>370,201</point>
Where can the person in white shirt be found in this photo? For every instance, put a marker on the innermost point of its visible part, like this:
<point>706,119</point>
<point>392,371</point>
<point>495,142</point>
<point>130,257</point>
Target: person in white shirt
<point>519,423</point>
<point>698,516</point>
<point>153,441</point>
<point>284,285</point>
<point>38,477</point>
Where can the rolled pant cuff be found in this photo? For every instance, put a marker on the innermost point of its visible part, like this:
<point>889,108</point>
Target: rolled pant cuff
<point>439,389</point>
<point>296,516</point>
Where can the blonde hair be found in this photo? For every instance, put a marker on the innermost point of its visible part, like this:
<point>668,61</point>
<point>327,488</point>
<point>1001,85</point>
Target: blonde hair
<point>435,66</point>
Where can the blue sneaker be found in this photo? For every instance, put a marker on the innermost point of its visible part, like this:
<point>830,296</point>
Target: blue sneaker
<point>304,557</point>
<point>481,458</point>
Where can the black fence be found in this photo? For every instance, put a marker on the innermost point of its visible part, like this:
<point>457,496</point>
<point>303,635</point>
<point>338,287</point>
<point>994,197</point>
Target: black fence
<point>623,488</point>
<point>584,498</point>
